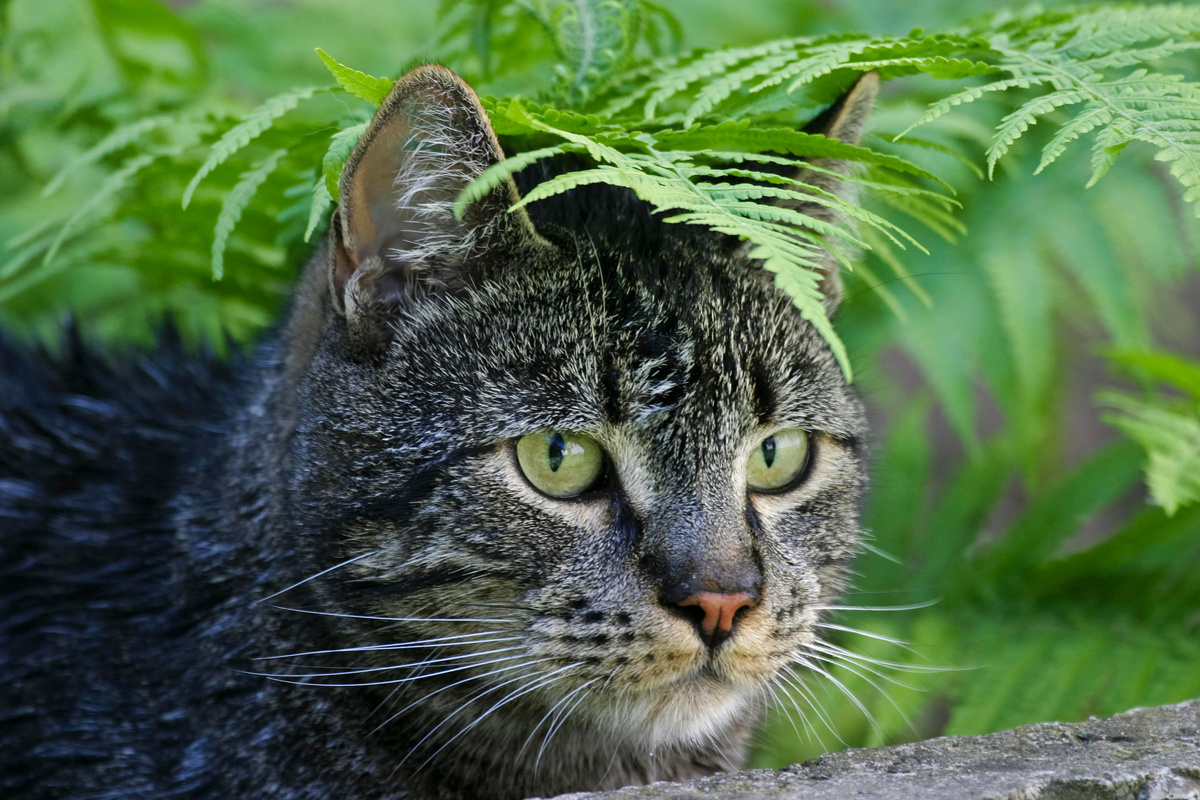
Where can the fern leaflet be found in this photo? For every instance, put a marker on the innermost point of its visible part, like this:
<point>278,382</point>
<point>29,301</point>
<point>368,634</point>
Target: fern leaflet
<point>250,128</point>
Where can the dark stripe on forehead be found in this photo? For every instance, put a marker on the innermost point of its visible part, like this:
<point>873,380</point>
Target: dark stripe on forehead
<point>762,392</point>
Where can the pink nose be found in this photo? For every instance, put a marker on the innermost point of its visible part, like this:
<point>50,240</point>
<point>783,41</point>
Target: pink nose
<point>719,609</point>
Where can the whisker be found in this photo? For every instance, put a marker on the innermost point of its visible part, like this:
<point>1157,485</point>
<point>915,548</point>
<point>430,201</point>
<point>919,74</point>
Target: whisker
<point>489,674</point>
<point>776,687</point>
<point>417,645</point>
<point>416,665</point>
<point>537,683</point>
<point>885,555</point>
<point>390,619</point>
<point>900,666</point>
<point>849,662</point>
<point>846,691</point>
<point>910,607</point>
<point>409,679</point>
<point>874,685</point>
<point>566,698</point>
<point>314,577</point>
<point>558,722</point>
<point>806,694</point>
<point>481,693</point>
<point>868,634</point>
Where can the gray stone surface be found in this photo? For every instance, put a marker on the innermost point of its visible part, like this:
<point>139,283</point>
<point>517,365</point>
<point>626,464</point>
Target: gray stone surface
<point>1144,754</point>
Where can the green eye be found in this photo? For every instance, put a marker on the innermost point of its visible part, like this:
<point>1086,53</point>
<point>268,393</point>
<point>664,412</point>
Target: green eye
<point>560,464</point>
<point>777,461</point>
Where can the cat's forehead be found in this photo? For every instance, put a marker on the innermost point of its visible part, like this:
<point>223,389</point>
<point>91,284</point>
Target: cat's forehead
<point>632,339</point>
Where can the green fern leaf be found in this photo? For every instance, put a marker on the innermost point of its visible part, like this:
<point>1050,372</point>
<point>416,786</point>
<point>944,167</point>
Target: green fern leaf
<point>944,106</point>
<point>499,172</point>
<point>743,136</point>
<point>1111,30</point>
<point>1164,367</point>
<point>341,145</point>
<point>720,90</point>
<point>250,128</point>
<point>1071,130</point>
<point>322,201</point>
<point>1170,434</point>
<point>1017,122</point>
<point>711,64</point>
<point>119,139</point>
<point>235,203</point>
<point>361,85</point>
<point>112,185</point>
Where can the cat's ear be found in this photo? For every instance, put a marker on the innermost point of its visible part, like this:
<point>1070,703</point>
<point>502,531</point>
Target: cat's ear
<point>396,235</point>
<point>845,120</point>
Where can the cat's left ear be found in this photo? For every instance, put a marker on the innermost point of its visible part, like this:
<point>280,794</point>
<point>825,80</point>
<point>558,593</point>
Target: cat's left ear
<point>396,236</point>
<point>846,121</point>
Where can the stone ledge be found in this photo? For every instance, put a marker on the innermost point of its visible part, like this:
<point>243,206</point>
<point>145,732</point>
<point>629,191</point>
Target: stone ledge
<point>1144,754</point>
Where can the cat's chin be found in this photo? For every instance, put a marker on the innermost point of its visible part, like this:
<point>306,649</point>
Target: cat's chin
<point>692,712</point>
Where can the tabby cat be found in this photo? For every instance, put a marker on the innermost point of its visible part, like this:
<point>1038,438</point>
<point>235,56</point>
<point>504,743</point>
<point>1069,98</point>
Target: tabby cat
<point>512,504</point>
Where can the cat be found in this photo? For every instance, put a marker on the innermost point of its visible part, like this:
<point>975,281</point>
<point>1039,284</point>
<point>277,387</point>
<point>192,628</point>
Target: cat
<point>510,504</point>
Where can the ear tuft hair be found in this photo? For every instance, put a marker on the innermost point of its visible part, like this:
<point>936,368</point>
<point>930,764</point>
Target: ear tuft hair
<point>397,235</point>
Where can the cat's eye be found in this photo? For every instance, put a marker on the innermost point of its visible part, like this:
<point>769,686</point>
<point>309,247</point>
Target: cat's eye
<point>777,461</point>
<point>559,463</point>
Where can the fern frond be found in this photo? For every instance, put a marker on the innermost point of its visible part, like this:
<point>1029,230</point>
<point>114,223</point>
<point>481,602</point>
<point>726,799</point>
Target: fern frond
<point>119,139</point>
<point>112,185</point>
<point>250,128</point>
<point>1170,434</point>
<point>322,201</point>
<point>742,136</point>
<point>341,145</point>
<point>499,172</point>
<point>946,104</point>
<point>235,203</point>
<point>1017,122</point>
<point>708,65</point>
<point>720,90</point>
<point>1112,30</point>
<point>361,85</point>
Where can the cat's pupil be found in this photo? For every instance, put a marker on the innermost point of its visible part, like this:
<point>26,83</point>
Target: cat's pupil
<point>558,449</point>
<point>768,450</point>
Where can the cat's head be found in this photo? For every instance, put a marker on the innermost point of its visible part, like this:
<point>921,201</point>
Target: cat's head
<point>576,462</point>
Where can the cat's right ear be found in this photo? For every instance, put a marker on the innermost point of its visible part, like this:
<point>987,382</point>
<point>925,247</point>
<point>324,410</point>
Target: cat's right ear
<point>395,236</point>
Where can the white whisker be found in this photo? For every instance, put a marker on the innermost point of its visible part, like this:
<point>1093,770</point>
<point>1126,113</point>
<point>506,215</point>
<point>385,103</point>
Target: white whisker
<point>416,665</point>
<point>391,619</point>
<point>910,607</point>
<point>558,722</point>
<point>409,679</point>
<point>868,634</point>
<point>425,697</point>
<point>420,644</point>
<point>851,662</point>
<point>566,698</point>
<point>806,694</point>
<point>462,706</point>
<point>537,683</point>
<point>314,577</point>
<point>846,691</point>
<point>846,666</point>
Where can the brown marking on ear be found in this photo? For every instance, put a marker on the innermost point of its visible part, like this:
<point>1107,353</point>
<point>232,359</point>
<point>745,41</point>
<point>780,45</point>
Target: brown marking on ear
<point>398,235</point>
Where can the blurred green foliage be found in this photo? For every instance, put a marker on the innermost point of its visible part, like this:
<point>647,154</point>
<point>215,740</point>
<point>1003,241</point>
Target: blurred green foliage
<point>1003,487</point>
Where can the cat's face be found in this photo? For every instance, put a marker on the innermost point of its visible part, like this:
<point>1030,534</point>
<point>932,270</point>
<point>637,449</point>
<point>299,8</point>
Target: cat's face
<point>673,360</point>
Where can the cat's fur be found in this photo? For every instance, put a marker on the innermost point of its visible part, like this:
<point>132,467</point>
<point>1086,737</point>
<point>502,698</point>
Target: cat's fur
<point>162,521</point>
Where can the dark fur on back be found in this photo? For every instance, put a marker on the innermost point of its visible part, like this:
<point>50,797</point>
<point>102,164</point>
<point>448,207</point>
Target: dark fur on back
<point>92,455</point>
<point>174,528</point>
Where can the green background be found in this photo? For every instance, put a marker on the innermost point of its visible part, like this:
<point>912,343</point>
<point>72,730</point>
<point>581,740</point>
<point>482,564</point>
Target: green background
<point>1000,489</point>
